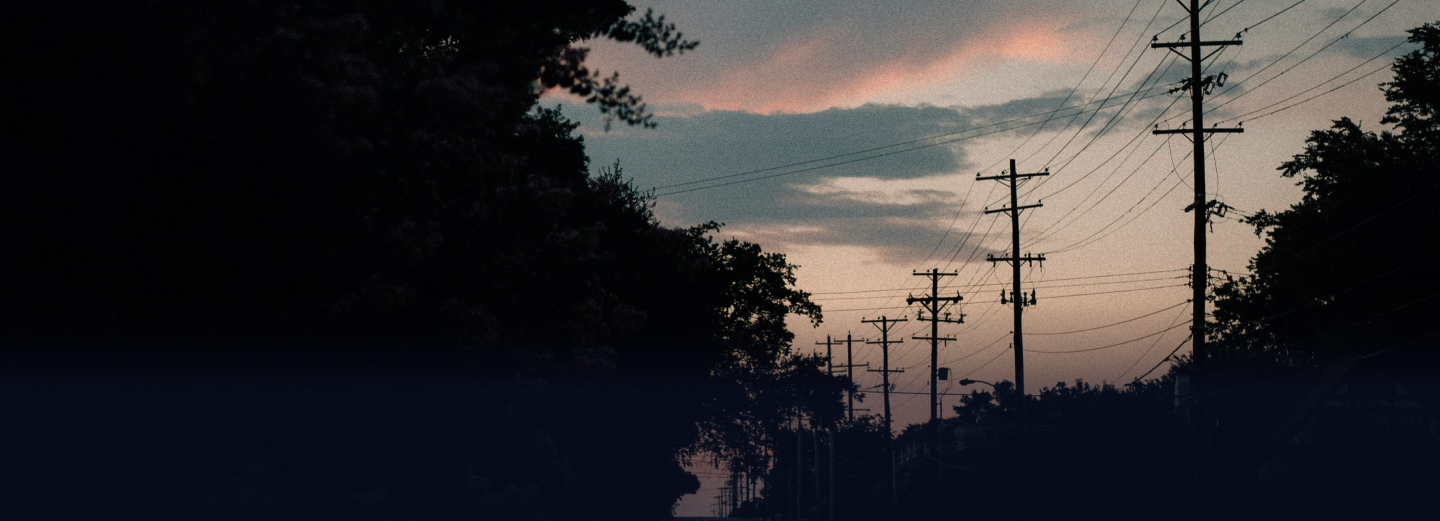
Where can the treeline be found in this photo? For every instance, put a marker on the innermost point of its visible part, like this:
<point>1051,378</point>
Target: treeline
<point>332,260</point>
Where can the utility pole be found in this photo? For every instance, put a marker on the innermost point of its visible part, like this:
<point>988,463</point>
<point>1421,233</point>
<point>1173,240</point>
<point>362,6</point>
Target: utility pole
<point>829,359</point>
<point>815,465</point>
<point>1198,87</point>
<point>934,303</point>
<point>849,367</point>
<point>799,475</point>
<point>884,324</point>
<point>832,475</point>
<point>734,491</point>
<point>1016,296</point>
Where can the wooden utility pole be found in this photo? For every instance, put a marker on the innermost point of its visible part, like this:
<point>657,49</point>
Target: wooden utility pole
<point>1198,87</point>
<point>934,304</point>
<point>829,358</point>
<point>832,475</point>
<point>815,465</point>
<point>799,474</point>
<point>1015,259</point>
<point>884,324</point>
<point>849,368</point>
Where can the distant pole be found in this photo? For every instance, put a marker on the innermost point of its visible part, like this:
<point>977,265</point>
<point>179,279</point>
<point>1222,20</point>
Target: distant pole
<point>850,366</point>
<point>934,303</point>
<point>850,372</point>
<point>815,465</point>
<point>798,474</point>
<point>829,358</point>
<point>832,474</point>
<point>884,324</point>
<point>734,491</point>
<point>1015,259</point>
<point>893,492</point>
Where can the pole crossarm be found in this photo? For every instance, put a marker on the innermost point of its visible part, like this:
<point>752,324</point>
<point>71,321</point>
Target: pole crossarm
<point>913,299</point>
<point>1168,45</point>
<point>941,338</point>
<point>1211,130</point>
<point>946,320</point>
<point>1003,177</point>
<point>990,257</point>
<point>1014,208</point>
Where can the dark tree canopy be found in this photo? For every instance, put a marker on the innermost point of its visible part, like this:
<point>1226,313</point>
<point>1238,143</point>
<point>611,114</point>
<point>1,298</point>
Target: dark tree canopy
<point>333,259</point>
<point>1341,274</point>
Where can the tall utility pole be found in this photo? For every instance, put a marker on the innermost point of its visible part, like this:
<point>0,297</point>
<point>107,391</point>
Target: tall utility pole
<point>1019,298</point>
<point>849,368</point>
<point>1198,86</point>
<point>884,324</point>
<point>934,303</point>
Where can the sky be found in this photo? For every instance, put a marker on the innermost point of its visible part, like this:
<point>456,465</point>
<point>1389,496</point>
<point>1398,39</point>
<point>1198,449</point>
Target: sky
<point>848,135</point>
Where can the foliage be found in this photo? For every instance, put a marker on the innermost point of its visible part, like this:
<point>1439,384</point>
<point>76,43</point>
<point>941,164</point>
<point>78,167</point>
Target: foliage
<point>265,196</point>
<point>1315,295</point>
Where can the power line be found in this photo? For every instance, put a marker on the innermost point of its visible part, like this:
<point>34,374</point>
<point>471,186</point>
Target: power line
<point>978,351</point>
<point>1105,128</point>
<point>1246,116</point>
<point>1083,242</point>
<point>1176,320</point>
<point>1307,58</point>
<point>1057,227</point>
<point>1217,15</point>
<point>982,366</point>
<point>1287,54</point>
<point>1262,22</point>
<point>1140,38</point>
<point>1088,349</point>
<point>1116,323</point>
<point>1163,360</point>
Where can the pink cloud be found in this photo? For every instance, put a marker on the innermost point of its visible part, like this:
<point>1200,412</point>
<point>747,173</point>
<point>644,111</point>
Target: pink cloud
<point>827,68</point>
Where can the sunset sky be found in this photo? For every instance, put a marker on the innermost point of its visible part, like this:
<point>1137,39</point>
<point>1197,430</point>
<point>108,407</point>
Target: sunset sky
<point>848,135</point>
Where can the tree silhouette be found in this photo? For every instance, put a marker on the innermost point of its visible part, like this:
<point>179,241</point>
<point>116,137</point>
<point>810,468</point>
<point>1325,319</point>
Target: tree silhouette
<point>1315,296</point>
<point>332,259</point>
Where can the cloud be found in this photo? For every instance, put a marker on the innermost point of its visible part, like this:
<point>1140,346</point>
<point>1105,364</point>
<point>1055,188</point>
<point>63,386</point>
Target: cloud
<point>896,207</point>
<point>795,57</point>
<point>690,146</point>
<point>830,66</point>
